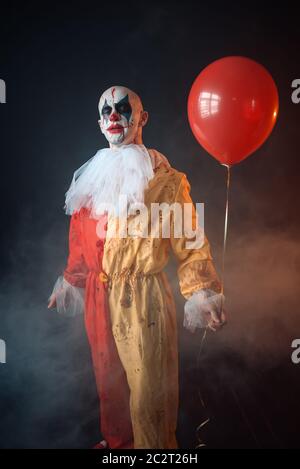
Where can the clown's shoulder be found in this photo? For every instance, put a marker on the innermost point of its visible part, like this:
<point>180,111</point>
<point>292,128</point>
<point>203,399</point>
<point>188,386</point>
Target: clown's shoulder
<point>175,179</point>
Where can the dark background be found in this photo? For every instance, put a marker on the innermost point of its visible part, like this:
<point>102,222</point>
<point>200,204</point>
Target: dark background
<point>56,62</point>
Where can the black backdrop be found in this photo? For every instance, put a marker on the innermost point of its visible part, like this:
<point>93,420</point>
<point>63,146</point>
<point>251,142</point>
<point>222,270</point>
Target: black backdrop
<point>56,61</point>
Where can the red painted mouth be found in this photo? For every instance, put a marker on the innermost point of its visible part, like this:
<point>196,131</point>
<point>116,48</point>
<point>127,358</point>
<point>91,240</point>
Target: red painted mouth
<point>115,128</point>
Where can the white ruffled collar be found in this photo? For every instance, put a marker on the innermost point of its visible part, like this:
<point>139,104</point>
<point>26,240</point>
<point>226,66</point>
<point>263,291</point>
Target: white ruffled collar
<point>99,182</point>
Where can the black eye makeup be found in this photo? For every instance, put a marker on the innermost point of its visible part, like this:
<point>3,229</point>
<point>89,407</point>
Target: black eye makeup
<point>106,110</point>
<point>123,108</point>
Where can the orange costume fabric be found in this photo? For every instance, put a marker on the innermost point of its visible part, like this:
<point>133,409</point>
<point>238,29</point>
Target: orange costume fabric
<point>130,317</point>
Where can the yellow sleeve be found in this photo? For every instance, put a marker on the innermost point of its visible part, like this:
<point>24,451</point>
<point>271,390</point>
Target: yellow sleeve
<point>196,269</point>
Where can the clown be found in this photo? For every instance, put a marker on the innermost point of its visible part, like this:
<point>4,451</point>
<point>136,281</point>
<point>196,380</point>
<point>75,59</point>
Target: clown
<point>121,116</point>
<point>119,282</point>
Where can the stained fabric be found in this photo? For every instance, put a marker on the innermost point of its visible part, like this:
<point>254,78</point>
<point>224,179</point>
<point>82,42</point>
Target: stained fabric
<point>131,319</point>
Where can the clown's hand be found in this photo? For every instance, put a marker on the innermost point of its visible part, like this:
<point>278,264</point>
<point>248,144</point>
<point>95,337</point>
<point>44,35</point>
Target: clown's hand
<point>203,310</point>
<point>67,299</point>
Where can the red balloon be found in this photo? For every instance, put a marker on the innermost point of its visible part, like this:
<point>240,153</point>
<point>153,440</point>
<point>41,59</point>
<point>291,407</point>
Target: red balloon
<point>232,108</point>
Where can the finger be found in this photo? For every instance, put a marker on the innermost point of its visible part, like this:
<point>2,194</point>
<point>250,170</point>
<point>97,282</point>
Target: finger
<point>52,302</point>
<point>223,317</point>
<point>211,326</point>
<point>215,316</point>
<point>218,326</point>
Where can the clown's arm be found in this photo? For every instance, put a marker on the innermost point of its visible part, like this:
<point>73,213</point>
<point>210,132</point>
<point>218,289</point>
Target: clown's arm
<point>198,280</point>
<point>68,292</point>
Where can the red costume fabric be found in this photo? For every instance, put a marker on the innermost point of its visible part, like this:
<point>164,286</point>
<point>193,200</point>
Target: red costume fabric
<point>84,269</point>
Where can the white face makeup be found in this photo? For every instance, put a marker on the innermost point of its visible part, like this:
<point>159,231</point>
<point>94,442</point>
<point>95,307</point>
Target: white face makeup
<point>120,112</point>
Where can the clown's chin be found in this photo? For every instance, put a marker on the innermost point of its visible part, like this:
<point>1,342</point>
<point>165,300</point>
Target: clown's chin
<point>115,137</point>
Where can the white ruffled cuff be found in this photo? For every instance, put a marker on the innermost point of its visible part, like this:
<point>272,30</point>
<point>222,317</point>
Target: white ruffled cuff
<point>69,299</point>
<point>198,307</point>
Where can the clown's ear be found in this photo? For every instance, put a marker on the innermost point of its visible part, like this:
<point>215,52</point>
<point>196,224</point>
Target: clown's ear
<point>144,118</point>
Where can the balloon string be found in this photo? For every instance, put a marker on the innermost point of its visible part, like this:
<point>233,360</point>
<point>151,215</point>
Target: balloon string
<point>225,234</point>
<point>222,278</point>
<point>223,253</point>
<point>222,282</point>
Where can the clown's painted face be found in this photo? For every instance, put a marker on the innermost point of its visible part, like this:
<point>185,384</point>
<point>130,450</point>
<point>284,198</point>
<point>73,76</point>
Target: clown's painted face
<point>120,112</point>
